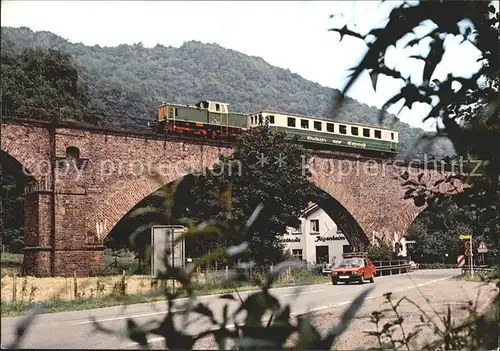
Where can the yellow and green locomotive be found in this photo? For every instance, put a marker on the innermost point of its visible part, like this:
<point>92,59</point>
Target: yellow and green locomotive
<point>213,120</point>
<point>208,119</point>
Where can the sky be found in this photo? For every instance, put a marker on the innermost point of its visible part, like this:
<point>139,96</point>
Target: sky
<point>292,35</point>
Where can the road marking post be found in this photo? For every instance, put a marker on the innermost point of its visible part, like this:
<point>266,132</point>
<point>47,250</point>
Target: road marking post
<point>471,259</point>
<point>469,252</point>
<point>460,260</point>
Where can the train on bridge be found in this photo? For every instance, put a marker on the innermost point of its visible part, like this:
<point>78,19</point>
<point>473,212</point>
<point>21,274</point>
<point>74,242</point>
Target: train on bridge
<point>213,120</point>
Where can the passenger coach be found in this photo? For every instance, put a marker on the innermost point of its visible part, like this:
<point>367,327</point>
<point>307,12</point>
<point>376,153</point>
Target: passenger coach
<point>328,132</point>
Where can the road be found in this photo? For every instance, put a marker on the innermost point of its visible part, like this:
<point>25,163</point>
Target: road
<point>74,330</point>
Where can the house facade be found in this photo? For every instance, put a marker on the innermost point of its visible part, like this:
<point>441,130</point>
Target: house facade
<point>317,239</point>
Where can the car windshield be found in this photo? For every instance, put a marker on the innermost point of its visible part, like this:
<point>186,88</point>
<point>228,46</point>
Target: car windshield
<point>351,262</point>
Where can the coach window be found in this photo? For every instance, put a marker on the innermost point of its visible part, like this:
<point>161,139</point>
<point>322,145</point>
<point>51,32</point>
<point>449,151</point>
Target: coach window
<point>304,123</point>
<point>366,132</point>
<point>222,108</point>
<point>260,119</point>
<point>329,127</point>
<point>176,112</point>
<point>378,134</point>
<point>354,130</point>
<point>317,125</point>
<point>291,122</point>
<point>271,119</point>
<point>342,129</point>
<point>392,136</point>
<point>217,107</point>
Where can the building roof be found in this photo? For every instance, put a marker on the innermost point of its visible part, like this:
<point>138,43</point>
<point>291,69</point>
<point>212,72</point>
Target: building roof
<point>310,209</point>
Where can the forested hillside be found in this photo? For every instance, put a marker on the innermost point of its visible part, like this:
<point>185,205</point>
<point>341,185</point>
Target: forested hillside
<point>127,82</point>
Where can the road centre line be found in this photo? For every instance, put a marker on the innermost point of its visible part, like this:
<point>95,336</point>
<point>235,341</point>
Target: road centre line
<point>301,293</point>
<point>126,317</point>
<point>165,312</point>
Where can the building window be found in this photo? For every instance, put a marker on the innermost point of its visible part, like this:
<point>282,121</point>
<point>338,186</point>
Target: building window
<point>366,132</point>
<point>329,127</point>
<point>296,231</point>
<point>291,122</point>
<point>304,123</point>
<point>378,134</point>
<point>317,125</point>
<point>342,129</point>
<point>314,226</point>
<point>297,253</point>
<point>354,130</point>
<point>271,119</point>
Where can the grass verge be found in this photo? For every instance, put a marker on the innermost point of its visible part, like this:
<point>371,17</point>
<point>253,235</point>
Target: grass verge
<point>12,309</point>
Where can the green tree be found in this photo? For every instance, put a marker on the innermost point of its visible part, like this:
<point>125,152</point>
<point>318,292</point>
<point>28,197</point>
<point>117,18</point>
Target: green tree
<point>250,176</point>
<point>44,84</point>
<point>11,223</point>
<point>436,232</point>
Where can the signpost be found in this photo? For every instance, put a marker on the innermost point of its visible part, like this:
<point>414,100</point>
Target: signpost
<point>468,251</point>
<point>162,241</point>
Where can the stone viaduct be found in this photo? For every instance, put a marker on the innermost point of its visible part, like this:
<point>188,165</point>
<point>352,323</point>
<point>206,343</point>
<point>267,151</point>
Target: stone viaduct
<point>70,209</point>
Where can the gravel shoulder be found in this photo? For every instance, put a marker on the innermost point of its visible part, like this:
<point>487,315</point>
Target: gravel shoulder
<point>432,299</point>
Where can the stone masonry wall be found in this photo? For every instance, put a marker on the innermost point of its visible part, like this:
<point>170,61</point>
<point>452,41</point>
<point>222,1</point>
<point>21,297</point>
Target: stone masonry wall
<point>116,170</point>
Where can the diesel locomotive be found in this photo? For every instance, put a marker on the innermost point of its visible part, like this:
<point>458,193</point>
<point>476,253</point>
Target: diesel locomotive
<point>213,120</point>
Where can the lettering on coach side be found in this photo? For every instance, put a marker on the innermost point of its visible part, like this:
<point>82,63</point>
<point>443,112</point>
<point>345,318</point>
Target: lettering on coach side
<point>337,141</point>
<point>355,144</point>
<point>323,140</point>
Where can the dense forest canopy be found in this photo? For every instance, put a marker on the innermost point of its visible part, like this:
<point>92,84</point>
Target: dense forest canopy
<point>128,81</point>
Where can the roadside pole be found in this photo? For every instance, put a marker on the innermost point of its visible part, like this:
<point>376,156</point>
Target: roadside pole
<point>468,251</point>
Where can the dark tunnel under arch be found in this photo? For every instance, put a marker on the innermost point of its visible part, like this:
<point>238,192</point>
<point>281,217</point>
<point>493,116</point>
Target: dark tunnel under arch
<point>347,224</point>
<point>14,179</point>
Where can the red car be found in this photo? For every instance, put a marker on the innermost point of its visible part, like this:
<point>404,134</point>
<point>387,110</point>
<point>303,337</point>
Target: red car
<point>355,266</point>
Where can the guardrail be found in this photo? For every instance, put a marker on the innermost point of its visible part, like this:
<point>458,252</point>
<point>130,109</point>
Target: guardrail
<point>391,267</point>
<point>384,268</point>
<point>477,269</point>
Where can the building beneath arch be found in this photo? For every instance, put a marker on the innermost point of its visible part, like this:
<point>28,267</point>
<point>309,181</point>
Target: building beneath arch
<point>318,239</point>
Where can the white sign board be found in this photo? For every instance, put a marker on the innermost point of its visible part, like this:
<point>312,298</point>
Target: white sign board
<point>482,247</point>
<point>162,239</point>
